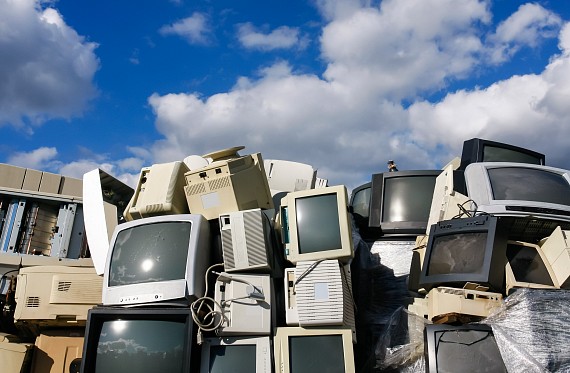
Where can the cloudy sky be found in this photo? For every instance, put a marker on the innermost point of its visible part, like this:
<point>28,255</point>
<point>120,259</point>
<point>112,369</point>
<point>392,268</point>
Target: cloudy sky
<point>343,85</point>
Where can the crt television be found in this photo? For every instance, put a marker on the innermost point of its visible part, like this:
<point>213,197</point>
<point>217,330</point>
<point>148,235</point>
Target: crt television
<point>470,347</point>
<point>465,250</point>
<point>517,189</point>
<point>157,259</point>
<point>400,201</point>
<point>480,150</point>
<point>313,350</point>
<point>236,354</point>
<point>142,340</point>
<point>315,224</point>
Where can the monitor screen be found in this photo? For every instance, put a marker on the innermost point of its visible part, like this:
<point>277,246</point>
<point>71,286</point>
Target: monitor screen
<point>480,150</point>
<point>318,227</point>
<point>465,250</point>
<point>527,265</point>
<point>462,348</point>
<point>315,224</point>
<point>322,353</point>
<point>161,258</point>
<point>140,340</point>
<point>300,350</point>
<point>360,201</point>
<point>236,355</point>
<point>228,358</point>
<point>150,252</point>
<point>400,201</point>
<point>529,184</point>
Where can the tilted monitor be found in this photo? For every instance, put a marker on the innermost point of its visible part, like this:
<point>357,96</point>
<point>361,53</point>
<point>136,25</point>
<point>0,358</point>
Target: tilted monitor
<point>480,150</point>
<point>465,250</point>
<point>528,267</point>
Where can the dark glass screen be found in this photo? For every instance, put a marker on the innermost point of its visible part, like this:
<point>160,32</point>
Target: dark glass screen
<point>150,252</point>
<point>498,154</point>
<point>407,198</point>
<point>527,265</point>
<point>235,359</point>
<point>458,253</point>
<point>318,227</point>
<point>318,353</point>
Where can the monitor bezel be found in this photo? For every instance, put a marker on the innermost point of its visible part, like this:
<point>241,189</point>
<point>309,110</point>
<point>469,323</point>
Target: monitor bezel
<point>494,260</point>
<point>510,279</point>
<point>181,290</point>
<point>376,215</point>
<point>480,191</point>
<point>281,345</point>
<point>287,216</point>
<point>430,342</point>
<point>98,315</point>
<point>263,359</point>
<point>473,151</point>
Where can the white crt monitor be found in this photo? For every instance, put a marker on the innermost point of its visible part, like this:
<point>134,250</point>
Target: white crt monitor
<point>56,295</point>
<point>288,176</point>
<point>159,191</point>
<point>315,225</point>
<point>519,189</point>
<point>227,185</point>
<point>157,259</point>
<point>236,355</point>
<point>309,350</point>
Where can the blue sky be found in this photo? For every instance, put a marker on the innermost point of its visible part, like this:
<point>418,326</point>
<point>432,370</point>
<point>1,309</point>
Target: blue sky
<point>341,85</point>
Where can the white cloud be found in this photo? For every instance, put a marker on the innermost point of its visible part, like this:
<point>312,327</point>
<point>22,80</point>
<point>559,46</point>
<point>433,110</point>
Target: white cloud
<point>36,159</point>
<point>351,120</point>
<point>46,68</point>
<point>195,29</point>
<point>283,37</point>
<point>526,27</point>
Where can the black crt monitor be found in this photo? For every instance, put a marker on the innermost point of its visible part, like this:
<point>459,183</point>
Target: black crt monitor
<point>142,340</point>
<point>465,250</point>
<point>359,204</point>
<point>400,201</point>
<point>480,150</point>
<point>466,348</point>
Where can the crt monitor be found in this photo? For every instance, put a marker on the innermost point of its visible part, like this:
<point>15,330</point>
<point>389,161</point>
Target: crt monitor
<point>159,191</point>
<point>465,250</point>
<point>314,349</point>
<point>360,205</point>
<point>236,354</point>
<point>517,189</point>
<point>400,201</point>
<point>315,224</point>
<point>480,150</point>
<point>157,259</point>
<point>470,347</point>
<point>142,340</point>
<point>528,267</point>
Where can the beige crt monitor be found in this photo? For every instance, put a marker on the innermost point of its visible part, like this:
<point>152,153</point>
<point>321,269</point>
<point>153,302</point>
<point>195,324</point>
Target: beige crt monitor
<point>556,248</point>
<point>159,191</point>
<point>288,176</point>
<point>528,267</point>
<point>55,350</point>
<point>226,185</point>
<point>313,350</point>
<point>315,225</point>
<point>56,295</point>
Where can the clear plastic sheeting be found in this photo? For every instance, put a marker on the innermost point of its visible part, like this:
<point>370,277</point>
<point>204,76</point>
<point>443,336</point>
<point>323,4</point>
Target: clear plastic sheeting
<point>532,330</point>
<point>396,255</point>
<point>401,347</point>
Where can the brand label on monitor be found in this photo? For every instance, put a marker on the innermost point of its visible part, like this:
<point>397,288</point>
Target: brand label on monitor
<point>321,291</point>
